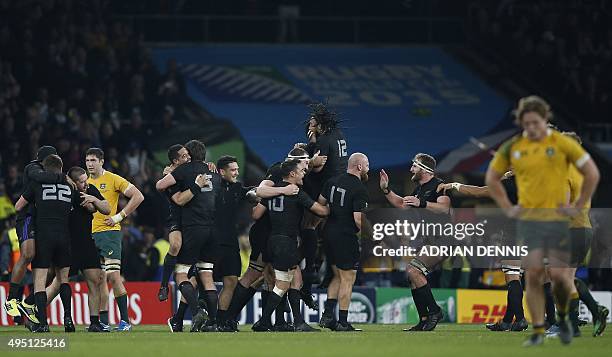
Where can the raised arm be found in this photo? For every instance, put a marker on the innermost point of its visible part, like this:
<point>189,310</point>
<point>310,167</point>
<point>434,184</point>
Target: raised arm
<point>394,199</point>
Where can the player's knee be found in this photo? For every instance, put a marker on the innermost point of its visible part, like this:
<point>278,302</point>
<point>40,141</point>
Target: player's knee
<point>175,247</point>
<point>230,282</point>
<point>27,256</point>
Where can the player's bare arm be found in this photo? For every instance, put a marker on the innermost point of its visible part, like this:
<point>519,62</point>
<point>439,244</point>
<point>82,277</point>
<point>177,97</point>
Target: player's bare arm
<point>394,199</point>
<point>135,199</point>
<point>266,189</point>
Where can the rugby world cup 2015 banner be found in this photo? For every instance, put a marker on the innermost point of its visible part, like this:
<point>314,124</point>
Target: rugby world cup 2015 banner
<point>361,310</point>
<point>143,306</point>
<point>396,101</point>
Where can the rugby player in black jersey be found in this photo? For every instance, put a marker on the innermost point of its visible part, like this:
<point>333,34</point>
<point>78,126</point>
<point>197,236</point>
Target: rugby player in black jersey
<point>285,215</point>
<point>53,203</point>
<point>326,138</point>
<point>200,189</point>
<point>424,196</point>
<point>347,198</point>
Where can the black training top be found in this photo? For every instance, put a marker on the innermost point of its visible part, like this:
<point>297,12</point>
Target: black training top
<point>232,195</point>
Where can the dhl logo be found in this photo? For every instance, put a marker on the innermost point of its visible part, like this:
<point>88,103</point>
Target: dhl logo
<point>487,313</point>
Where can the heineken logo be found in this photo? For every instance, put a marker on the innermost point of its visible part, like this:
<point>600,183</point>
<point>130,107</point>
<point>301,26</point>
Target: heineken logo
<point>361,309</point>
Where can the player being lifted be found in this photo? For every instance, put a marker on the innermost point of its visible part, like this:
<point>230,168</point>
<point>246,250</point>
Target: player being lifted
<point>285,215</point>
<point>106,232</point>
<point>178,155</point>
<point>436,204</point>
<point>200,189</point>
<point>540,158</point>
<point>347,198</point>
<point>324,136</point>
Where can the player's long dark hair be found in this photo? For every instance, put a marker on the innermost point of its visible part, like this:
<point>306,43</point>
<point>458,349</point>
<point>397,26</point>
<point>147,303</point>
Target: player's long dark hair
<point>327,118</point>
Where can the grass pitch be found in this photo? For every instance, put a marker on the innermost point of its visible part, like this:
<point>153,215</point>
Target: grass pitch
<point>376,340</point>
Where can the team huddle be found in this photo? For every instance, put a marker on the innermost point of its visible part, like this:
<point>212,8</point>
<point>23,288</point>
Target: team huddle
<point>317,189</point>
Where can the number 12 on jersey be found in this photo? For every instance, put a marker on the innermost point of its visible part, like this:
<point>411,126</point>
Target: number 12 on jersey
<point>342,148</point>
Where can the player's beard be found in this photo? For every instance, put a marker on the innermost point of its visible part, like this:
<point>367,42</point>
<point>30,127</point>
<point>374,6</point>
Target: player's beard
<point>364,177</point>
<point>416,177</point>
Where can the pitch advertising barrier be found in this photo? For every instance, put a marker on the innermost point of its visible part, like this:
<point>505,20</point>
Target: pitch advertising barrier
<point>361,310</point>
<point>143,306</point>
<point>396,306</point>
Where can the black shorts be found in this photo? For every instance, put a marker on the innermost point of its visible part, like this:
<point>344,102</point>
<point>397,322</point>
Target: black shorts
<point>284,252</point>
<point>258,238</point>
<point>228,262</point>
<point>342,250</point>
<point>86,256</point>
<point>25,229</point>
<point>198,245</point>
<point>52,249</point>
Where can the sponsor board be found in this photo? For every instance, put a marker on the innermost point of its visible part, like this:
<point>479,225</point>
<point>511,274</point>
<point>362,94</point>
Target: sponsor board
<point>396,306</point>
<point>361,310</point>
<point>143,306</point>
<point>603,298</point>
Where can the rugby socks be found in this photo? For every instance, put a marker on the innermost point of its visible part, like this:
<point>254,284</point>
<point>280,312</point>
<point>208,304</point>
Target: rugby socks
<point>180,312</point>
<point>272,302</point>
<point>509,315</point>
<point>221,315</point>
<point>123,309</point>
<point>309,248</point>
<point>574,304</point>
<point>240,298</point>
<point>189,294</point>
<point>264,298</point>
<point>585,296</point>
<point>550,305</point>
<point>279,312</point>
<point>202,304</point>
<point>539,329</point>
<point>562,300</point>
<point>14,291</point>
<point>330,307</point>
<point>30,298</point>
<point>295,301</point>
<point>41,304</point>
<point>65,293</point>
<point>169,264</point>
<point>419,301</point>
<point>515,301</point>
<point>432,306</point>
<point>94,319</point>
<point>211,303</point>
<point>104,317</point>
<point>342,316</point>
